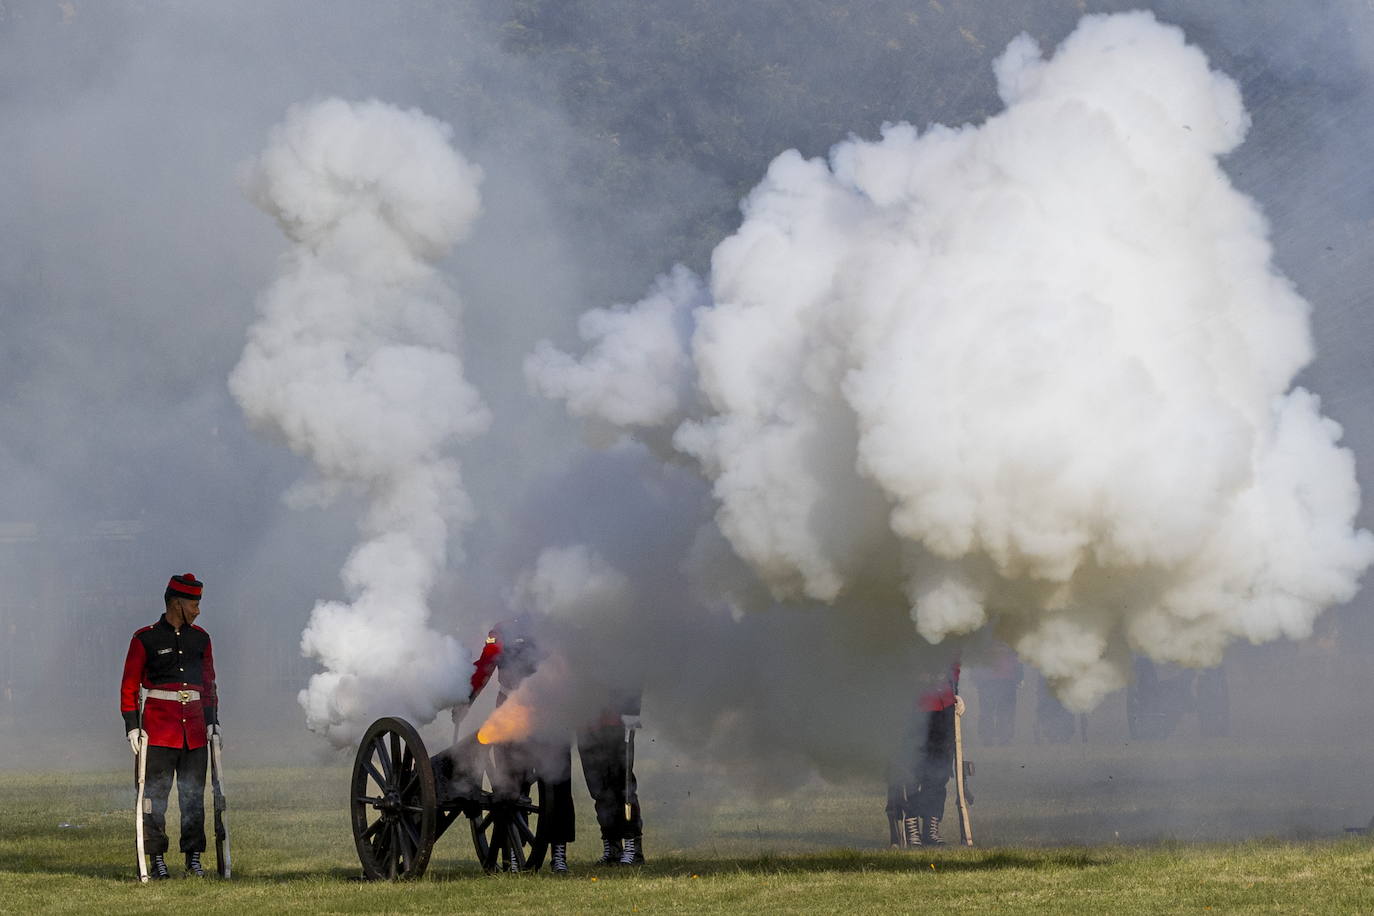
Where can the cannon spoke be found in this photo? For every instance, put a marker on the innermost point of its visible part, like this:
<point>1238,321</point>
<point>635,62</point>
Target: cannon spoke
<point>492,852</point>
<point>381,843</point>
<point>377,777</point>
<point>372,829</point>
<point>517,848</point>
<point>410,840</point>
<point>388,770</point>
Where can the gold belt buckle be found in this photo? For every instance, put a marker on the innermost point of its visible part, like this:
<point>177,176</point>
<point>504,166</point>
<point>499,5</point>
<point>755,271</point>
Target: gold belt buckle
<point>185,696</point>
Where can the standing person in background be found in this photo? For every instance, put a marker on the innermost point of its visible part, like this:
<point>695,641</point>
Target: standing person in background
<point>998,684</point>
<point>168,696</point>
<point>919,779</point>
<point>512,653</point>
<point>1053,721</point>
<point>607,751</point>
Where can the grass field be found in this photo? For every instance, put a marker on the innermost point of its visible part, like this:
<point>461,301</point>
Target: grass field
<point>1100,842</point>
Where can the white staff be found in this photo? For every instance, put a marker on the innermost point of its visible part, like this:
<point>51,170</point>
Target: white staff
<point>961,798</point>
<point>140,745</point>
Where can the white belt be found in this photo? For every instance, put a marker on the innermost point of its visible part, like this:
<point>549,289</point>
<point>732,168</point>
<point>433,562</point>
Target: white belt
<point>181,696</point>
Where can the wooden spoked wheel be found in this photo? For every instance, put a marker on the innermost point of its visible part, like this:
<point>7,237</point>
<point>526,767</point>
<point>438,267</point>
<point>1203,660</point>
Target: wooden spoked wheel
<point>509,830</point>
<point>392,802</point>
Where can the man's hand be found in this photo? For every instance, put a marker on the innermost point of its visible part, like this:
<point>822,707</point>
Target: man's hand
<point>958,705</point>
<point>213,730</point>
<point>631,722</point>
<point>135,736</point>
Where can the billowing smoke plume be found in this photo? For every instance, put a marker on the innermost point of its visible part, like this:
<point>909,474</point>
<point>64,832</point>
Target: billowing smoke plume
<point>1035,373</point>
<point>354,363</point>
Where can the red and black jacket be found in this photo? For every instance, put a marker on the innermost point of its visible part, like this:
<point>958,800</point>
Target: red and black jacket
<point>510,653</point>
<point>939,690</point>
<point>164,658</point>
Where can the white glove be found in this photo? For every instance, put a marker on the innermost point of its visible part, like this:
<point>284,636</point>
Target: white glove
<point>135,735</point>
<point>459,711</point>
<point>213,730</point>
<point>631,722</point>
<point>958,705</point>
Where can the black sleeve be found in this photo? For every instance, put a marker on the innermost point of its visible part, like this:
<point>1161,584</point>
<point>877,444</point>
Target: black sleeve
<point>130,721</point>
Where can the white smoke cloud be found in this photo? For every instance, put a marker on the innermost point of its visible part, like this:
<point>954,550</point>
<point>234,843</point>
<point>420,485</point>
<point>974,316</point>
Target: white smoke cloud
<point>354,363</point>
<point>1035,372</point>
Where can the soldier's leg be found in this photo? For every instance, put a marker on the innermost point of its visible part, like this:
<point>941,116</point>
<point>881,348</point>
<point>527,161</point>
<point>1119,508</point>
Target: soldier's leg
<point>191,797</point>
<point>557,773</point>
<point>936,768</point>
<point>902,786</point>
<point>157,788</point>
<point>599,754</point>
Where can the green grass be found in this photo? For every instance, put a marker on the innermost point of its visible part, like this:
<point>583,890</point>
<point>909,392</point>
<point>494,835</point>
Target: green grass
<point>66,846</point>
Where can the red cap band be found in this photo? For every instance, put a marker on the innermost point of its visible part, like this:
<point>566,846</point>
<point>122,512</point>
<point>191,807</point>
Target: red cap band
<point>185,586</point>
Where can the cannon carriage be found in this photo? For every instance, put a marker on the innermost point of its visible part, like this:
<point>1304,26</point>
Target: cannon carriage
<point>402,801</point>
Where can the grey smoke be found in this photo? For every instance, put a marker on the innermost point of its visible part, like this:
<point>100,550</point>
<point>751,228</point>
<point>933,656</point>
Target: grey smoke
<point>1043,365</point>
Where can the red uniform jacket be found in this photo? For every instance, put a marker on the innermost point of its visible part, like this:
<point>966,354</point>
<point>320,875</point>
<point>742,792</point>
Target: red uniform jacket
<point>940,694</point>
<point>510,653</point>
<point>163,658</point>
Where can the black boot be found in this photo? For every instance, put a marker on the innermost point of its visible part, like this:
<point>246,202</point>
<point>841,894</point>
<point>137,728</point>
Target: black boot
<point>610,852</point>
<point>159,869</point>
<point>193,864</point>
<point>558,862</point>
<point>932,836</point>
<point>913,832</point>
<point>633,851</point>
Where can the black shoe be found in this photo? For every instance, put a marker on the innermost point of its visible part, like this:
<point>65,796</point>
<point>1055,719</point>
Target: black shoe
<point>193,865</point>
<point>913,832</point>
<point>159,870</point>
<point>610,852</point>
<point>633,851</point>
<point>932,837</point>
<point>558,862</point>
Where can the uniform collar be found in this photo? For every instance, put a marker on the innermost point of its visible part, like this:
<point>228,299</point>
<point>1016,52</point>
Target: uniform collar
<point>166,624</point>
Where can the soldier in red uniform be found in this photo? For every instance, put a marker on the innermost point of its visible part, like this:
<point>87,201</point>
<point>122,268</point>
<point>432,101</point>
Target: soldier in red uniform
<point>512,654</point>
<point>168,693</point>
<point>918,780</point>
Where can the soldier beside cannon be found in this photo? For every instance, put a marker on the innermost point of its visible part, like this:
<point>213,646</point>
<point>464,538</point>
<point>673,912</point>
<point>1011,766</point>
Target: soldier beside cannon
<point>510,781</point>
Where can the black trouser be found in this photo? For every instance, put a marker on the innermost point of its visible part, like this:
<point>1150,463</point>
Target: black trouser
<point>918,779</point>
<point>606,761</point>
<point>527,761</point>
<point>188,766</point>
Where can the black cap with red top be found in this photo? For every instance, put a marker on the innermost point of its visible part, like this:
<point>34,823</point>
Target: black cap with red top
<point>185,586</point>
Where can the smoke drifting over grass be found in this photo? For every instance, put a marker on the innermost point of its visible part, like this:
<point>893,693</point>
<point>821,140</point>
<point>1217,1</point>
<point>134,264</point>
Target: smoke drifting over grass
<point>354,362</point>
<point>1035,373</point>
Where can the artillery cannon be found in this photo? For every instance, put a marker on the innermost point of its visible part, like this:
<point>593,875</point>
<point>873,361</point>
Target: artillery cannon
<point>402,800</point>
